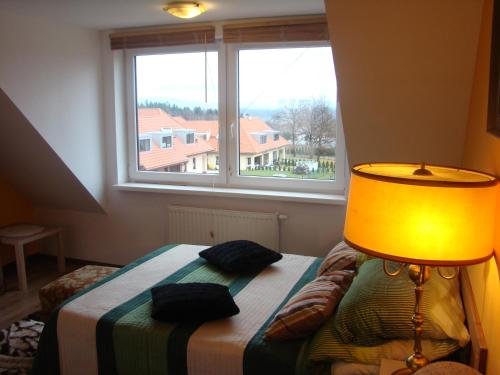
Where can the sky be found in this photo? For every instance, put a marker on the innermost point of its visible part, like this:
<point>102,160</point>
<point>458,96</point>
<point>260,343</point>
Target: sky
<point>268,78</point>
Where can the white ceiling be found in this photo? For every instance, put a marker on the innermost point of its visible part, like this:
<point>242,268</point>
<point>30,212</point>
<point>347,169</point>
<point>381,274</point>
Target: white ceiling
<point>108,14</point>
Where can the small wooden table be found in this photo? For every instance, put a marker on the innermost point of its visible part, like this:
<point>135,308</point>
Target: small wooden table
<point>19,242</point>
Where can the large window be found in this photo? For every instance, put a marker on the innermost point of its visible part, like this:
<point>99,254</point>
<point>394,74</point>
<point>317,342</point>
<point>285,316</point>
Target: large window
<point>237,115</point>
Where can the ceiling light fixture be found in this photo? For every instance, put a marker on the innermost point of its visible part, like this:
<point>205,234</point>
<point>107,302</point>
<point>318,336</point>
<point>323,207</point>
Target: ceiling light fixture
<point>184,9</point>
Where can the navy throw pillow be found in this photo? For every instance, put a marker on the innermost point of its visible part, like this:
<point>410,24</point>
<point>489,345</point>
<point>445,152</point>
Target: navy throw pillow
<point>192,302</point>
<point>240,256</point>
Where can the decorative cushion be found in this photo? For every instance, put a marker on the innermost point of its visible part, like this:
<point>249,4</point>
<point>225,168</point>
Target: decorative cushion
<point>378,307</point>
<point>21,230</point>
<point>341,257</point>
<point>192,302</point>
<point>56,292</point>
<point>18,346</point>
<point>307,310</point>
<point>240,256</point>
<point>327,346</point>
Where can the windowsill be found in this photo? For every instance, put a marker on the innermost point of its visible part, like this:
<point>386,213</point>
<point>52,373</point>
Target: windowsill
<point>286,196</point>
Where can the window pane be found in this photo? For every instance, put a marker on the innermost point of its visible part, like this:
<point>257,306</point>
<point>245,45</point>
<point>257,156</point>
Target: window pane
<point>287,111</point>
<point>173,113</point>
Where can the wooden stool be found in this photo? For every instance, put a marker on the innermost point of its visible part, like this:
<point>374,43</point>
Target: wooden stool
<point>19,241</point>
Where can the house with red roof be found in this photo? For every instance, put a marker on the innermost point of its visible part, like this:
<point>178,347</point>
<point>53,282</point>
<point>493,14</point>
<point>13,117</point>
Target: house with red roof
<point>168,144</point>
<point>173,144</point>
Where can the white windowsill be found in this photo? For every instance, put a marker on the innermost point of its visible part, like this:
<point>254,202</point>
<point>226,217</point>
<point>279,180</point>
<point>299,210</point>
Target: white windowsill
<point>287,196</point>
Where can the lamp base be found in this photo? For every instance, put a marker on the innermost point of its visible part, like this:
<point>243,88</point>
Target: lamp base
<point>413,363</point>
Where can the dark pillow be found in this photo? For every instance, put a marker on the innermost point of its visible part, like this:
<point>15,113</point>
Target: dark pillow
<point>192,302</point>
<point>240,256</point>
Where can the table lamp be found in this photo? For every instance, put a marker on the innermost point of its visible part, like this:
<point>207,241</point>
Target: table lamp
<point>421,216</point>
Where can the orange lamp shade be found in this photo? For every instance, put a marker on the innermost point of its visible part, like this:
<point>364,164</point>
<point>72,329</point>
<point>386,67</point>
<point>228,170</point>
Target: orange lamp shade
<point>430,214</point>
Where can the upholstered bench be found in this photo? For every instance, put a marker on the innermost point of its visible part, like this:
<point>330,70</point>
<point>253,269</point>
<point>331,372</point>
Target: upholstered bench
<point>53,294</point>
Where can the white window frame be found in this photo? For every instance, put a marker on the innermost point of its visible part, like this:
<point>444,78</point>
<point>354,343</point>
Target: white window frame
<point>135,175</point>
<point>336,186</point>
<point>228,137</point>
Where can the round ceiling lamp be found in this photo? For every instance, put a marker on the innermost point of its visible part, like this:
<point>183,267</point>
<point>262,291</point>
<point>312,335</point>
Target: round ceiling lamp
<point>184,9</point>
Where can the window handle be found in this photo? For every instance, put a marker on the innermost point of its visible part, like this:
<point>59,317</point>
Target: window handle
<point>231,128</point>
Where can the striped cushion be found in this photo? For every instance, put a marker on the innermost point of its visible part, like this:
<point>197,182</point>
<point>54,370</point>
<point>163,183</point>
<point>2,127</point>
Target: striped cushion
<point>379,307</point>
<point>327,346</point>
<point>341,257</point>
<point>305,312</point>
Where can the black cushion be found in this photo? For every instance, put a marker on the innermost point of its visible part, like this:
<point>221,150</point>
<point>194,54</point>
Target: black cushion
<point>240,256</point>
<point>192,302</point>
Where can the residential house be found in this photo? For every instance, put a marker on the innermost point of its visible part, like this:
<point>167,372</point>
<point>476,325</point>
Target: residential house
<point>173,144</point>
<point>168,144</point>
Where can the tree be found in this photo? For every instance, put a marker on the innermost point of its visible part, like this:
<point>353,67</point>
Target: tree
<point>319,127</point>
<point>288,120</point>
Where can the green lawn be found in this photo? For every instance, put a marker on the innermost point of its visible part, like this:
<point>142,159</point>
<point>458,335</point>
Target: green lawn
<point>282,174</point>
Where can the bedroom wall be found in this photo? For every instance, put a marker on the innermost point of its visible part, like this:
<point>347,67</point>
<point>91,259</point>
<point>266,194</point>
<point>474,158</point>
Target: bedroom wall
<point>52,72</point>
<point>405,72</point>
<point>136,222</point>
<point>482,151</point>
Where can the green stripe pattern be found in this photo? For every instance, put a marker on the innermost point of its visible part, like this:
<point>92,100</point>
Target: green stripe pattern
<point>327,346</point>
<point>129,341</point>
<point>47,358</point>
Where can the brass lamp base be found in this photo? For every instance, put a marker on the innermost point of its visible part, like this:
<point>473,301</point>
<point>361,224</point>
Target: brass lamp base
<point>413,363</point>
<point>419,275</point>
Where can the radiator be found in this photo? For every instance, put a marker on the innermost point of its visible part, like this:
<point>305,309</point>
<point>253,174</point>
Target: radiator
<point>205,226</point>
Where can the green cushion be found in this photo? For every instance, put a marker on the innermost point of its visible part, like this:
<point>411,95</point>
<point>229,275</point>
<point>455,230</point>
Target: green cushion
<point>326,346</point>
<point>378,307</point>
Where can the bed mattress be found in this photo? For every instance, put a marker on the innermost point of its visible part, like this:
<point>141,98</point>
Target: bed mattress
<point>107,328</point>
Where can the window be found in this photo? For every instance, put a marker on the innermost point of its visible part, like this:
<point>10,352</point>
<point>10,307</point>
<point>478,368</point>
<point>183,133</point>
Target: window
<point>190,138</point>
<point>166,142</point>
<point>275,103</point>
<point>168,93</point>
<point>144,144</point>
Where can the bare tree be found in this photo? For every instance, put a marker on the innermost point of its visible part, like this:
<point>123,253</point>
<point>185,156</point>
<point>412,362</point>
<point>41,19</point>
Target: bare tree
<point>318,125</point>
<point>324,125</point>
<point>289,121</point>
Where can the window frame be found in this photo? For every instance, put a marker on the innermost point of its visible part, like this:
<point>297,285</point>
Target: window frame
<point>228,137</point>
<point>136,175</point>
<point>336,186</point>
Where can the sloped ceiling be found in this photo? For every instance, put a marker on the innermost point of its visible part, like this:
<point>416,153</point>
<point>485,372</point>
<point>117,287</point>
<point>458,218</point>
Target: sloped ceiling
<point>31,165</point>
<point>404,73</point>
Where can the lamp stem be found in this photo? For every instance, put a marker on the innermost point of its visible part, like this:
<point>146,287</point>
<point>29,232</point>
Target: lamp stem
<point>419,274</point>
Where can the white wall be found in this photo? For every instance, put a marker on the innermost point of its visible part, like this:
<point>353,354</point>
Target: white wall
<point>136,222</point>
<point>405,72</point>
<point>52,72</point>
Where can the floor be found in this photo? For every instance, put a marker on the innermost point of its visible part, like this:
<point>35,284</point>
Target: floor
<point>41,270</point>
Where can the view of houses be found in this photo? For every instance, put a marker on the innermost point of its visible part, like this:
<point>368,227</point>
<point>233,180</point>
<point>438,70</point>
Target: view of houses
<point>173,144</point>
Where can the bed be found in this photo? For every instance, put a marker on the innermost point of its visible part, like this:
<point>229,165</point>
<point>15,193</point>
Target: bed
<point>107,328</point>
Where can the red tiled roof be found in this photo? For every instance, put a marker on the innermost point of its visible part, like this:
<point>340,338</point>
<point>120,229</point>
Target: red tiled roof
<point>248,143</point>
<point>153,120</point>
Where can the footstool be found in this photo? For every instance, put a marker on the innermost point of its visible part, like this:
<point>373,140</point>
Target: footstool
<point>53,294</point>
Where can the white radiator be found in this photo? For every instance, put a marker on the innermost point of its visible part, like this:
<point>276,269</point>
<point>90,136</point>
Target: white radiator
<point>205,226</point>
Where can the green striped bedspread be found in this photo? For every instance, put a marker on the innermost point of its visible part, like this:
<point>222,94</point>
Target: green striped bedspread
<point>107,328</point>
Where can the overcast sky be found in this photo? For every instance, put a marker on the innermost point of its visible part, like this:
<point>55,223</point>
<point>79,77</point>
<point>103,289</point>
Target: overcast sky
<point>268,78</point>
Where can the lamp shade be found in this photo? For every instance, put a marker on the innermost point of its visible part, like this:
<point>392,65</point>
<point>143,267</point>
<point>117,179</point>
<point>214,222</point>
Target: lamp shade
<point>431,215</point>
